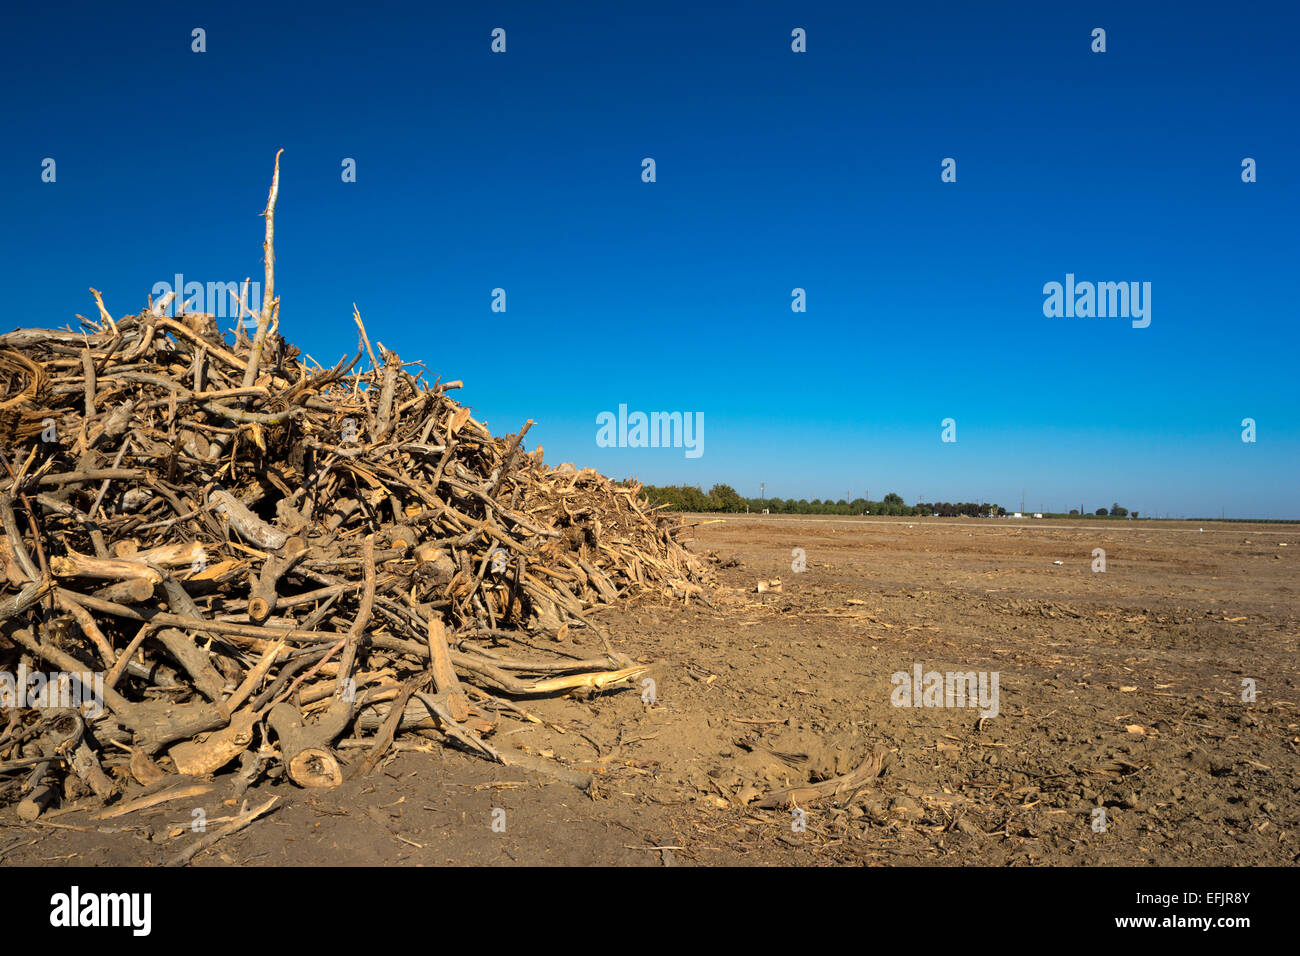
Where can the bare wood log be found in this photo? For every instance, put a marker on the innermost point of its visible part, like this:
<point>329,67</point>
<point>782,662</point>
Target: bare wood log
<point>180,791</point>
<point>171,555</point>
<point>125,548</point>
<point>20,338</point>
<point>389,727</point>
<point>251,418</point>
<point>86,766</point>
<point>363,616</point>
<point>194,660</point>
<point>383,419</point>
<point>143,767</point>
<point>403,537</point>
<point>599,581</point>
<point>124,659</point>
<point>29,596</point>
<point>16,544</point>
<point>133,590</point>
<point>268,290</point>
<point>511,448</point>
<point>356,317</point>
<point>113,569</point>
<point>42,794</point>
<point>435,564</point>
<point>178,599</point>
<point>90,474</point>
<point>219,748</point>
<point>116,423</point>
<point>445,681</point>
<point>306,747</point>
<point>255,676</point>
<point>9,564</point>
<point>88,378</point>
<point>88,626</point>
<point>452,727</point>
<point>65,732</point>
<point>83,760</point>
<point>263,599</point>
<point>156,724</point>
<point>250,527</point>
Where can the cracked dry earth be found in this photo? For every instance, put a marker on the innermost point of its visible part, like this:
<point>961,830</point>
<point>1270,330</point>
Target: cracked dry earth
<point>1119,691</point>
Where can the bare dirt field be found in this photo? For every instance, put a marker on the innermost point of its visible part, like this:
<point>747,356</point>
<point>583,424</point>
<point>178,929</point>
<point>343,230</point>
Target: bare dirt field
<point>1120,690</point>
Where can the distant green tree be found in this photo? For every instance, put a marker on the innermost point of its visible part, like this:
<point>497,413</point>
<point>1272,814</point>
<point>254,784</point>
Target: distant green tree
<point>727,498</point>
<point>1101,512</point>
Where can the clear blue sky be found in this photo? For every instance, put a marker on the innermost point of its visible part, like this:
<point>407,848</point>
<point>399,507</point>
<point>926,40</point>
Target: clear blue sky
<point>775,170</point>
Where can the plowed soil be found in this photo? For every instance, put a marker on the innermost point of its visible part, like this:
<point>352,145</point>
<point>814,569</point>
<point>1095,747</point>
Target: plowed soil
<point>1119,690</point>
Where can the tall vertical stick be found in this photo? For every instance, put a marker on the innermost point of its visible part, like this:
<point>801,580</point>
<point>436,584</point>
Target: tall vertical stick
<point>268,292</point>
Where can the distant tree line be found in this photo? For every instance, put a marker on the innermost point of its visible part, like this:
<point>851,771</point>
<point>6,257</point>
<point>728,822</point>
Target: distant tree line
<point>725,498</point>
<point>1116,511</point>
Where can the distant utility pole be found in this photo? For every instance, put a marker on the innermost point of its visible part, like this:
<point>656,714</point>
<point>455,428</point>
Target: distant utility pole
<point>762,489</point>
<point>1022,500</point>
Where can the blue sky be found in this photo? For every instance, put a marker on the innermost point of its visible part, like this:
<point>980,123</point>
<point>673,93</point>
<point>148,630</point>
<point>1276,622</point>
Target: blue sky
<point>775,170</point>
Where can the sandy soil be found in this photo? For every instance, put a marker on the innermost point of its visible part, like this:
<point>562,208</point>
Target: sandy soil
<point>1120,690</point>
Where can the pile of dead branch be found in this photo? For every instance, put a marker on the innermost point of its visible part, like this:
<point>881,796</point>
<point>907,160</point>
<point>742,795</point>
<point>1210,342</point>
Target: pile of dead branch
<point>277,564</point>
